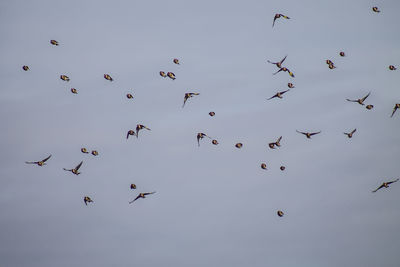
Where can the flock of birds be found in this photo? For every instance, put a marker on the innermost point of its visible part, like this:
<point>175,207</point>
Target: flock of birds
<point>200,136</point>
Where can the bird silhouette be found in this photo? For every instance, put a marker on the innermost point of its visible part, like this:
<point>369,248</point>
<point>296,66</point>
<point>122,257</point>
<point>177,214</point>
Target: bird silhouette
<point>54,42</point>
<point>141,195</point>
<point>385,185</point>
<point>133,186</point>
<point>280,213</point>
<point>212,113</point>
<point>108,77</point>
<point>278,94</point>
<point>176,61</point>
<point>40,162</point>
<point>350,134</point>
<point>391,67</point>
<point>140,127</point>
<point>285,70</point>
<point>369,106</point>
<point>87,199</point>
<point>307,134</point>
<point>74,91</point>
<point>279,63</point>
<point>129,96</point>
<point>187,96</point>
<point>396,106</point>
<point>130,132</point>
<point>376,9</point>
<point>282,168</point>
<point>239,145</point>
<point>74,170</point>
<point>360,100</point>
<point>162,74</point>
<point>276,143</point>
<point>263,166</point>
<point>201,136</point>
<point>277,16</point>
<point>342,54</point>
<point>84,150</point>
<point>214,142</point>
<point>25,68</point>
<point>64,78</point>
<point>290,85</point>
<point>95,153</point>
<point>171,75</point>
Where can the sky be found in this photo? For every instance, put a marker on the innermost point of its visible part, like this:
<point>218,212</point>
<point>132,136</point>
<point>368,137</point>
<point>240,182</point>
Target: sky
<point>214,205</point>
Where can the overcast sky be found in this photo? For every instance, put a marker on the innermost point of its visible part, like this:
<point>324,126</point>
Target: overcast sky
<point>214,205</point>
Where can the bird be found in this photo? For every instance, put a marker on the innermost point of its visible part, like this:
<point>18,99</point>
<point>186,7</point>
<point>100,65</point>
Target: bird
<point>171,75</point>
<point>396,106</point>
<point>95,153</point>
<point>279,63</point>
<point>277,16</point>
<point>214,142</point>
<point>176,61</point>
<point>84,150</point>
<point>278,94</point>
<point>277,143</point>
<point>25,68</point>
<point>376,9</point>
<point>140,127</point>
<point>350,134</point>
<point>284,69</point>
<point>369,106</point>
<point>74,91</point>
<point>212,113</point>
<point>280,213</point>
<point>64,78</point>
<point>360,100</point>
<point>342,54</point>
<point>141,195</point>
<point>328,61</point>
<point>87,199</point>
<point>129,96</point>
<point>162,74</point>
<point>239,145</point>
<point>391,67</point>
<point>133,186</point>
<point>39,163</point>
<point>290,85</point>
<point>187,96</point>
<point>108,77</point>
<point>74,170</point>
<point>332,66</point>
<point>201,136</point>
<point>385,184</point>
<point>307,134</point>
<point>130,132</point>
<point>263,166</point>
<point>282,168</point>
<point>54,42</point>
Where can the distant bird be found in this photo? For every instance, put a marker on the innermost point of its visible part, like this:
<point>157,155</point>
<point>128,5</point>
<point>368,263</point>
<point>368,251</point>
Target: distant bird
<point>74,91</point>
<point>279,63</point>
<point>212,113</point>
<point>308,135</point>
<point>214,142</point>
<point>396,106</point>
<point>108,77</point>
<point>95,153</point>
<point>201,136</point>
<point>133,186</point>
<point>141,195</point>
<point>285,70</point>
<point>282,168</point>
<point>54,42</point>
<point>87,199</point>
<point>140,127</point>
<point>280,213</point>
<point>74,170</point>
<point>271,145</point>
<point>360,100</point>
<point>39,163</point>
<point>278,94</point>
<point>369,106</point>
<point>328,61</point>
<point>263,166</point>
<point>84,150</point>
<point>290,85</point>
<point>25,68</point>
<point>277,143</point>
<point>162,74</point>
<point>277,16</point>
<point>171,75</point>
<point>376,9</point>
<point>176,61</point>
<point>64,78</point>
<point>129,96</point>
<point>239,145</point>
<point>385,184</point>
<point>391,67</point>
<point>350,135</point>
<point>342,54</point>
<point>332,66</point>
<point>187,96</point>
<point>130,132</point>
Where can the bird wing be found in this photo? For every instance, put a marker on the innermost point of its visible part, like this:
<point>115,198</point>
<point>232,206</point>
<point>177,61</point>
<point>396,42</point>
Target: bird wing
<point>284,91</point>
<point>135,199</point>
<point>394,110</point>
<point>79,165</point>
<point>147,128</point>
<point>31,162</point>
<point>283,59</point>
<point>184,100</point>
<point>127,135</point>
<point>278,71</point>
<point>365,97</point>
<point>149,193</point>
<point>391,182</point>
<point>273,23</point>
<point>378,188</point>
<point>286,17</point>
<point>276,95</point>
<point>279,139</point>
<point>353,131</point>
<point>290,73</point>
<point>351,100</point>
<point>301,132</point>
<point>315,133</point>
<point>67,169</point>
<point>46,158</point>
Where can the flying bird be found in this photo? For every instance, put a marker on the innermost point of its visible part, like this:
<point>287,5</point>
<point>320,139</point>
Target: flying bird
<point>278,94</point>
<point>360,100</point>
<point>130,132</point>
<point>212,113</point>
<point>129,96</point>
<point>239,145</point>
<point>108,77</point>
<point>277,16</point>
<point>39,163</point>
<point>25,68</point>
<point>396,106</point>
<point>214,142</point>
<point>84,150</point>
<point>285,70</point>
<point>141,195</point>
<point>54,42</point>
<point>64,78</point>
<point>95,153</point>
<point>263,166</point>
<point>342,54</point>
<point>277,143</point>
<point>282,168</point>
<point>350,134</point>
<point>369,106</point>
<point>385,184</point>
<point>74,170</point>
<point>279,63</point>
<point>87,199</point>
<point>307,134</point>
<point>328,61</point>
<point>140,127</point>
<point>290,85</point>
<point>162,74</point>
<point>332,66</point>
<point>187,96</point>
<point>201,136</point>
<point>391,67</point>
<point>74,91</point>
<point>376,9</point>
<point>280,213</point>
<point>133,186</point>
<point>176,61</point>
<point>171,75</point>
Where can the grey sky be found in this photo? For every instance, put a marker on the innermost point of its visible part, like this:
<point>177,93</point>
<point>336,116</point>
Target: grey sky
<point>214,205</point>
